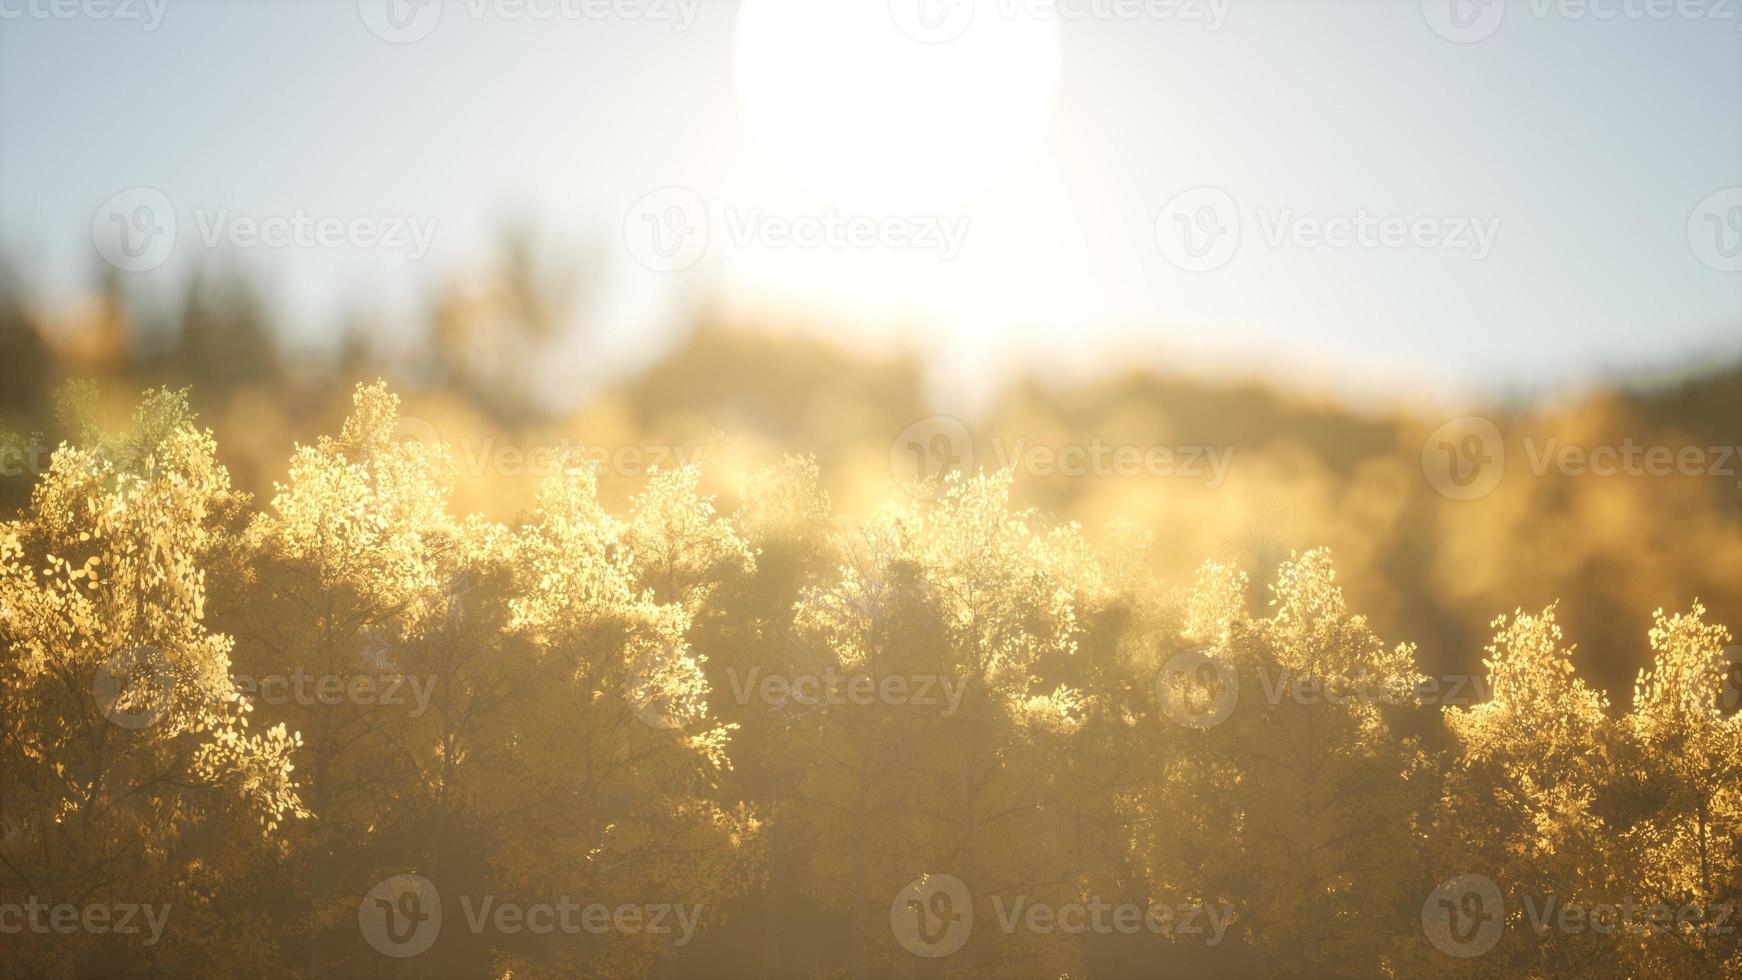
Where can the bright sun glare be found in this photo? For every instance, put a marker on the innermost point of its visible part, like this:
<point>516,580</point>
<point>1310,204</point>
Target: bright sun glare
<point>873,109</point>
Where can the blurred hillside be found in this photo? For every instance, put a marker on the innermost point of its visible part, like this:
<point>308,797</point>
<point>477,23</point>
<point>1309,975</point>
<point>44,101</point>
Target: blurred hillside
<point>1253,473</point>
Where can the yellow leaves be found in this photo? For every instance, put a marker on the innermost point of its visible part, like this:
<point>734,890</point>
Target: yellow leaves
<point>1216,602</point>
<point>1060,713</point>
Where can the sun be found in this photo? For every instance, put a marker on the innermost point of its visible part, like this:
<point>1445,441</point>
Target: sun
<point>895,106</point>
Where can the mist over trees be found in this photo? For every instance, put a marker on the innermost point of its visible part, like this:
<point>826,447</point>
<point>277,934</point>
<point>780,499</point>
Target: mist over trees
<point>918,741</point>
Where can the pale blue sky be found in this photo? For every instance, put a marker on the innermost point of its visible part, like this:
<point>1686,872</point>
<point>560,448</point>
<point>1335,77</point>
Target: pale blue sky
<point>1590,142</point>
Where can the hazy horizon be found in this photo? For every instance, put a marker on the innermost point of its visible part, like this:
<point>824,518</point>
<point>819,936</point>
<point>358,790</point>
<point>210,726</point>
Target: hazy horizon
<point>1016,182</point>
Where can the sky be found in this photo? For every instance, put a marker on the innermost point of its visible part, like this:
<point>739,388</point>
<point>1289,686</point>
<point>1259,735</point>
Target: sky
<point>1394,198</point>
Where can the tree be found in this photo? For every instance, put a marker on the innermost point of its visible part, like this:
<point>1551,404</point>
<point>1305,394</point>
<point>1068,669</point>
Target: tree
<point>1291,797</point>
<point>1522,804</point>
<point>129,771</point>
<point>963,597</point>
<point>609,791</point>
<point>347,558</point>
<point>1688,847</point>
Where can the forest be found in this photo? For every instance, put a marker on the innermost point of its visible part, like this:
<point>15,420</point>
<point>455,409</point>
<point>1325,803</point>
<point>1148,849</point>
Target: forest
<point>870,490</point>
<point>346,729</point>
